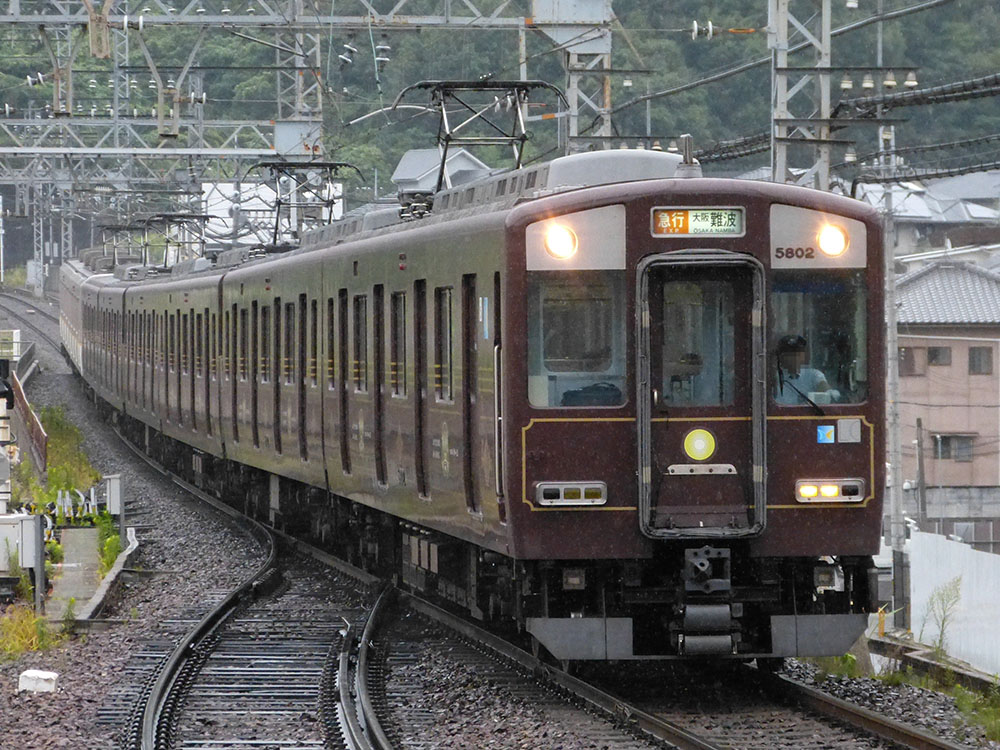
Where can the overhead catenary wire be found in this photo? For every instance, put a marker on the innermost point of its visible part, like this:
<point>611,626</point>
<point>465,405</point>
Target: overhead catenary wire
<point>887,16</point>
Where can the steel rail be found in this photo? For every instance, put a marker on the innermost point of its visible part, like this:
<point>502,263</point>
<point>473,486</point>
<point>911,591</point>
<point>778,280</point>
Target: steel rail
<point>606,703</point>
<point>858,716</point>
<point>376,735</point>
<point>358,719</point>
<point>31,301</point>
<point>156,712</point>
<point>24,318</point>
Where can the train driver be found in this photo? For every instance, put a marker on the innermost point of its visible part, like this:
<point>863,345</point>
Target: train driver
<point>797,382</point>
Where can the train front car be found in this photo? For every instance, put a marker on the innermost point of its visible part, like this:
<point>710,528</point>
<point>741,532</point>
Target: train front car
<point>693,410</point>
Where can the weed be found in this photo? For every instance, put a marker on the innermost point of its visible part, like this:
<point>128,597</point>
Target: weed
<point>21,631</point>
<point>941,610</point>
<point>55,551</point>
<point>836,666</point>
<point>110,550</point>
<point>69,616</point>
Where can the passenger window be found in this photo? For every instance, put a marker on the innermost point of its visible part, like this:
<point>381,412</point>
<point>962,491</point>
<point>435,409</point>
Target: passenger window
<point>361,343</point>
<point>443,343</point>
<point>397,345</point>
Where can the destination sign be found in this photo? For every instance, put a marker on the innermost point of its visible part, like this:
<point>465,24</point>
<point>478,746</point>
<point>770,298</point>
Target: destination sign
<point>696,222</point>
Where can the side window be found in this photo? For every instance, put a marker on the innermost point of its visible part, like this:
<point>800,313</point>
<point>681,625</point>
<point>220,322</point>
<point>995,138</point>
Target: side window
<point>265,343</point>
<point>361,342</point>
<point>313,342</point>
<point>243,343</point>
<point>912,360</point>
<point>397,344</point>
<point>288,366</point>
<point>331,327</point>
<point>980,360</point>
<point>443,335</point>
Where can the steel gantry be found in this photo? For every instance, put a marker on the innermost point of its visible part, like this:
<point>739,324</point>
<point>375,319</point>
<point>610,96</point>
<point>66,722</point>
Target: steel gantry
<point>52,154</point>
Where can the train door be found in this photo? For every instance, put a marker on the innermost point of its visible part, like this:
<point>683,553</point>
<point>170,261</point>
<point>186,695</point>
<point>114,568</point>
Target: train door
<point>701,395</point>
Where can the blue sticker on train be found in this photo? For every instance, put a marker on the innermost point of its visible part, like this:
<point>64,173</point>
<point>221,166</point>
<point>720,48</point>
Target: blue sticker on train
<point>826,433</point>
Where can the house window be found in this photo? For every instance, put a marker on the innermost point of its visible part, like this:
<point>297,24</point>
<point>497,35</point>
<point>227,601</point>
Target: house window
<point>953,447</point>
<point>980,360</point>
<point>912,360</point>
<point>938,355</point>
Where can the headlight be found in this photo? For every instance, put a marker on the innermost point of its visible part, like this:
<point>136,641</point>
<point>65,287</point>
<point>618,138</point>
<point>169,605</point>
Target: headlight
<point>830,490</point>
<point>699,444</point>
<point>560,242</point>
<point>832,240</point>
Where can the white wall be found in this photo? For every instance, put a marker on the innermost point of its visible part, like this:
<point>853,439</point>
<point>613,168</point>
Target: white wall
<point>975,626</point>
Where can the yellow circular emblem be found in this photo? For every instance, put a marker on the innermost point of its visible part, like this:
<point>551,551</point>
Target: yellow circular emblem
<point>699,444</point>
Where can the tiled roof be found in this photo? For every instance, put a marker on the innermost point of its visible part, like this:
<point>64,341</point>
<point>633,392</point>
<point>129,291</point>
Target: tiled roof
<point>915,203</point>
<point>949,292</point>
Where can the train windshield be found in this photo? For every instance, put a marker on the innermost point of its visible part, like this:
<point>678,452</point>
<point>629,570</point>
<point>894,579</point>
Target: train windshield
<point>576,338</point>
<point>820,344</point>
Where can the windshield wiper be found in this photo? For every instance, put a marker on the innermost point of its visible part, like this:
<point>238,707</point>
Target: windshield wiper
<point>808,400</point>
<point>782,383</point>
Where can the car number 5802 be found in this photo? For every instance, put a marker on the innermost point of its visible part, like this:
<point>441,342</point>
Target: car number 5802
<point>794,252</point>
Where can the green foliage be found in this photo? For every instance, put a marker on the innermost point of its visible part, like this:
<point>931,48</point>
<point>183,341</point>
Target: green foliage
<point>69,616</point>
<point>978,708</point>
<point>16,277</point>
<point>109,544</point>
<point>23,589</point>
<point>837,666</point>
<point>55,551</point>
<point>110,550</point>
<point>21,631</point>
<point>67,465</point>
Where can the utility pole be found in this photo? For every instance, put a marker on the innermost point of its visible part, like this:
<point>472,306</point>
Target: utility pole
<point>900,596</point>
<point>921,478</point>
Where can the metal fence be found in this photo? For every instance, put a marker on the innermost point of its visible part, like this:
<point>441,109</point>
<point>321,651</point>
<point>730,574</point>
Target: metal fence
<point>31,425</point>
<point>970,620</point>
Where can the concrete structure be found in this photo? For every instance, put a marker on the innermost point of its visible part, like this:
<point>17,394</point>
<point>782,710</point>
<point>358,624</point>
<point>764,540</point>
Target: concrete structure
<point>37,681</point>
<point>949,366</point>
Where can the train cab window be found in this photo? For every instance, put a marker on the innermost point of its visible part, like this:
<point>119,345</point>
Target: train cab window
<point>576,338</point>
<point>819,349</point>
<point>698,342</point>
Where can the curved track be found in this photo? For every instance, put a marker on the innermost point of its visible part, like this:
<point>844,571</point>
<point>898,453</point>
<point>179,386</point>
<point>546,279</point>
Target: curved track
<point>25,310</point>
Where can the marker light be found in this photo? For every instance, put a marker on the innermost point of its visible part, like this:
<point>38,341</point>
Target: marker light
<point>832,240</point>
<point>560,242</point>
<point>699,444</point>
<point>808,490</point>
<point>829,490</point>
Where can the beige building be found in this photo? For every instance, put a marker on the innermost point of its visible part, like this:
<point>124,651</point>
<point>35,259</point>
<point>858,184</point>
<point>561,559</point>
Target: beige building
<point>949,367</point>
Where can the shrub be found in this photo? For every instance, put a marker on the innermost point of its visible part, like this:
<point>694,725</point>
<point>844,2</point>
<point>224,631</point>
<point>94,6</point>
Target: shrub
<point>21,631</point>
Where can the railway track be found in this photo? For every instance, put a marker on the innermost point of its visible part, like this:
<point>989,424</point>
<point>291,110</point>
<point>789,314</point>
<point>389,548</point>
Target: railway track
<point>742,708</point>
<point>278,662</point>
<point>24,310</point>
<point>310,678</point>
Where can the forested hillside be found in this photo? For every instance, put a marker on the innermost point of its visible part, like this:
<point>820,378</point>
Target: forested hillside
<point>957,41</point>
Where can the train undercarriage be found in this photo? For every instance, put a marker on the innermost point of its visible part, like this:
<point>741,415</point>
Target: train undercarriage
<point>689,600</point>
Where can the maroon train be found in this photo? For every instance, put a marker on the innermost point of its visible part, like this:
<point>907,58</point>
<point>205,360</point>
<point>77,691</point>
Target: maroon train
<point>637,415</point>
